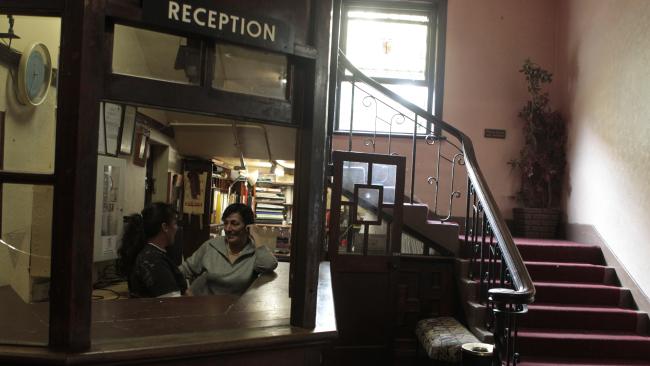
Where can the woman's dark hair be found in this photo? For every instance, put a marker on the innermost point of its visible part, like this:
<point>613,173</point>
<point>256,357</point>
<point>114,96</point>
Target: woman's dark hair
<point>243,210</point>
<point>139,228</point>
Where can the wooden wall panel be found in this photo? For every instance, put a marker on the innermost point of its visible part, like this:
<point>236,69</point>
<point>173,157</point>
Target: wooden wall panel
<point>426,289</point>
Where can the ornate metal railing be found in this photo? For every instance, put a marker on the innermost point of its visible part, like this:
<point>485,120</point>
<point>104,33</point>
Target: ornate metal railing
<point>389,115</point>
<point>505,285</point>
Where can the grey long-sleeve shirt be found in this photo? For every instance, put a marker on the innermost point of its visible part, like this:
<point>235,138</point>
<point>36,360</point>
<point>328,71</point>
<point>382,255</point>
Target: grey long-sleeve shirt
<point>210,272</point>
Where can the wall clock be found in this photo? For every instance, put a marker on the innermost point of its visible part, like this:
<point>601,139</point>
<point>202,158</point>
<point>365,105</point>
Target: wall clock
<point>34,74</point>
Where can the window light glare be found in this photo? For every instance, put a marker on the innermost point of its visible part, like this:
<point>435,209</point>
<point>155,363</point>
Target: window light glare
<point>260,164</point>
<point>287,164</point>
<point>371,15</point>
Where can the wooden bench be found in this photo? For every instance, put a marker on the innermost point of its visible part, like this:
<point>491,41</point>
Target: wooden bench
<point>442,338</point>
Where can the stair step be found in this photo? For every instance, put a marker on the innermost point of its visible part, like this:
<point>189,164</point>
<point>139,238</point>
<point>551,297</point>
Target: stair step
<point>546,250</point>
<point>564,272</point>
<point>533,241</point>
<point>579,293</point>
<point>582,317</point>
<point>563,253</point>
<point>578,362</point>
<point>568,272</point>
<point>563,343</point>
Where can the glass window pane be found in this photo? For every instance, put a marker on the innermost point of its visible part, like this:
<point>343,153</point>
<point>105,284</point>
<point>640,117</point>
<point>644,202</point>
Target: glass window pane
<point>28,132</point>
<point>367,205</point>
<point>247,71</point>
<point>25,249</point>
<point>353,173</point>
<point>378,239</point>
<point>349,240</point>
<point>384,175</point>
<point>374,112</point>
<point>156,55</point>
<point>387,45</point>
<point>412,93</point>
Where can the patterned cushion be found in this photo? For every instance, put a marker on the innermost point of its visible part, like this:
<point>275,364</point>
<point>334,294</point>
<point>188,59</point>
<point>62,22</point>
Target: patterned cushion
<point>442,338</point>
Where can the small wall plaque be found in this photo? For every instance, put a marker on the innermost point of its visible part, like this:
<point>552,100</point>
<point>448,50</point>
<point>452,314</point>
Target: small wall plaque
<point>491,133</point>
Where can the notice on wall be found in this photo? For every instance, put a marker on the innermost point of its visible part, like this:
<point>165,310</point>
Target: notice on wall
<point>492,133</point>
<point>194,186</point>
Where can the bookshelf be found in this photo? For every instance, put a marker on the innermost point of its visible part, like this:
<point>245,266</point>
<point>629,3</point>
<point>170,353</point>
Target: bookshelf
<point>226,191</point>
<point>272,203</point>
<point>273,212</point>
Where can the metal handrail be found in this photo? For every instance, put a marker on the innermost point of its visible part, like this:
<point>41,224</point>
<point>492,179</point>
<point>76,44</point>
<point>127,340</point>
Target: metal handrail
<point>524,290</point>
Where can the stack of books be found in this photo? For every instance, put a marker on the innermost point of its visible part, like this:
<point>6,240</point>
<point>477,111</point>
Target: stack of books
<point>269,208</point>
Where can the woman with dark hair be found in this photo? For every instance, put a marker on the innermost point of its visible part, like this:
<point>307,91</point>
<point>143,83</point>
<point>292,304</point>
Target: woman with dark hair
<point>228,265</point>
<point>143,259</point>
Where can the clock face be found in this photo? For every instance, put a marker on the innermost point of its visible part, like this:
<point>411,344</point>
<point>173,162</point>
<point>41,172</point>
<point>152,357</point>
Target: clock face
<point>34,74</point>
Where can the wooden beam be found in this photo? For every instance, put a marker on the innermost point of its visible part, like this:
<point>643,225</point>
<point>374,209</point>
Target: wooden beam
<point>195,99</point>
<point>32,7</point>
<point>80,81</point>
<point>154,124</point>
<point>311,160</point>
<point>26,178</point>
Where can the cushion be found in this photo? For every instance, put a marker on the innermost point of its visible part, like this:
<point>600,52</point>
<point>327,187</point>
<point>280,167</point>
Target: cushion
<point>443,337</point>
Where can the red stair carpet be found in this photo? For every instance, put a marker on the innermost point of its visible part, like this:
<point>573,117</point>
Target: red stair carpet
<point>581,315</point>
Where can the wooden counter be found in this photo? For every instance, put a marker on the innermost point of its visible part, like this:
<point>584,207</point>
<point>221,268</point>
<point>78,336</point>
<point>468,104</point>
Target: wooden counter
<point>196,330</point>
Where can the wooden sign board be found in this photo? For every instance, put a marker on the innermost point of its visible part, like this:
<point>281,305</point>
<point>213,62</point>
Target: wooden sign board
<point>208,18</point>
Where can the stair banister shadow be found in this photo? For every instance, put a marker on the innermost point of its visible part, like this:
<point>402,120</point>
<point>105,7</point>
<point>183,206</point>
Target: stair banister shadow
<point>514,289</point>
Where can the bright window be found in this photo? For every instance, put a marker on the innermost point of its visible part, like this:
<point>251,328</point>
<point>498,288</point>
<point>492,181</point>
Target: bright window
<point>397,48</point>
<point>388,45</point>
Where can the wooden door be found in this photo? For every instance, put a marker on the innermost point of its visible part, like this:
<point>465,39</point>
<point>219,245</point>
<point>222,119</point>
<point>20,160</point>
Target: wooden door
<point>364,246</point>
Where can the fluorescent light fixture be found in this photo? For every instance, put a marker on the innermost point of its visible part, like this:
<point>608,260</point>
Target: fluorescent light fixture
<point>287,164</point>
<point>260,164</point>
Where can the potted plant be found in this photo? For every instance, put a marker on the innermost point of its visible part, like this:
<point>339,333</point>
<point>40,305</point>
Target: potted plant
<point>542,159</point>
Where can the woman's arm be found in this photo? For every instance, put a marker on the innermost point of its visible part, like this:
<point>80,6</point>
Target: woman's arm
<point>192,267</point>
<point>265,261</point>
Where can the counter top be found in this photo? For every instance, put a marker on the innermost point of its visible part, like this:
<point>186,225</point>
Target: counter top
<point>163,328</point>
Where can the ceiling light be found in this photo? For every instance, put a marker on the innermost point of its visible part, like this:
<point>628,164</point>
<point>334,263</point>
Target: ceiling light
<point>286,164</point>
<point>260,164</point>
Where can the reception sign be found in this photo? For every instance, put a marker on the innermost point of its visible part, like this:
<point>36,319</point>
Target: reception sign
<point>207,18</point>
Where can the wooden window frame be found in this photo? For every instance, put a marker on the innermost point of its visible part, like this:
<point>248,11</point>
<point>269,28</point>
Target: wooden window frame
<point>436,10</point>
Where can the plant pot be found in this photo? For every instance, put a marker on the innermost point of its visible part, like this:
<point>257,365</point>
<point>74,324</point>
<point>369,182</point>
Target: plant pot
<point>536,222</point>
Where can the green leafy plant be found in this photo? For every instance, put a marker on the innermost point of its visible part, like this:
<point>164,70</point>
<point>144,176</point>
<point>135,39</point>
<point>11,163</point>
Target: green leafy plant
<point>542,159</point>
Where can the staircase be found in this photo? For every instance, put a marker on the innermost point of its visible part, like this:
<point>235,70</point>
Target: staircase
<point>581,315</point>
<point>446,152</point>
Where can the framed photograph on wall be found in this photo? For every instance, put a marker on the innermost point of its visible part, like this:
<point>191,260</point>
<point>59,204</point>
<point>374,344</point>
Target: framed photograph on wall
<point>113,117</point>
<point>101,142</point>
<point>128,130</point>
<point>141,147</point>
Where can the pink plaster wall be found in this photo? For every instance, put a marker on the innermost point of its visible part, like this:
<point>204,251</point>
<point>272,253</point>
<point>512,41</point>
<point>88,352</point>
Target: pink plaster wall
<point>487,42</point>
<point>604,65</point>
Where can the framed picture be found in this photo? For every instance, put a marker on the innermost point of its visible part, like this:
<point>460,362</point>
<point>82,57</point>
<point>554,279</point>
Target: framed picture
<point>113,116</point>
<point>128,130</point>
<point>101,143</point>
<point>368,199</point>
<point>141,147</point>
